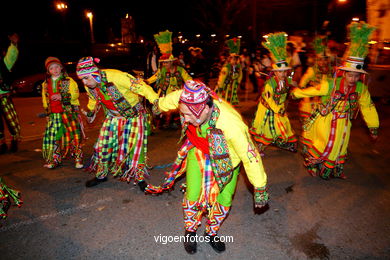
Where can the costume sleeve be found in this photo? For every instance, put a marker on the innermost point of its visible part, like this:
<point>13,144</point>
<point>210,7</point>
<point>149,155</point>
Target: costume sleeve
<point>44,100</point>
<point>153,78</point>
<point>368,109</point>
<point>11,56</point>
<point>170,101</point>
<point>74,92</point>
<point>185,75</point>
<point>267,95</point>
<point>312,91</point>
<point>141,88</point>
<point>240,76</point>
<point>249,156</point>
<point>137,86</point>
<point>306,77</point>
<point>91,101</point>
<point>222,77</point>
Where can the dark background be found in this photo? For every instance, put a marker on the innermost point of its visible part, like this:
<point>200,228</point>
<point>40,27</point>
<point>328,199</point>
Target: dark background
<point>45,31</point>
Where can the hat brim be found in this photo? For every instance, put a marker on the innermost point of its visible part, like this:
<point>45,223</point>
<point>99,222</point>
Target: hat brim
<point>353,70</point>
<point>169,59</point>
<point>282,69</point>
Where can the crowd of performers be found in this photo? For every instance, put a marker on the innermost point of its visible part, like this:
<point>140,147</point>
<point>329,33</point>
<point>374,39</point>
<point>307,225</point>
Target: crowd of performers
<point>215,140</point>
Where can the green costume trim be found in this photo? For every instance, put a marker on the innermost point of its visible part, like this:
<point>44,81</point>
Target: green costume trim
<point>194,178</point>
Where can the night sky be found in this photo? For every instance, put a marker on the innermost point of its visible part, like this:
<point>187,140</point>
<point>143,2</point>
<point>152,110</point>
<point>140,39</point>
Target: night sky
<point>44,31</point>
<point>39,20</point>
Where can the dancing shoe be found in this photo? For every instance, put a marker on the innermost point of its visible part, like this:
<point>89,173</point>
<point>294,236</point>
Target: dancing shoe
<point>95,181</point>
<point>3,148</point>
<point>215,242</point>
<point>14,146</point>
<point>190,242</point>
<point>142,185</point>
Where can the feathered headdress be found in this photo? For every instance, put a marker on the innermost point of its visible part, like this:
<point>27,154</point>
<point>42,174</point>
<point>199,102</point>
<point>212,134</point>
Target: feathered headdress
<point>276,44</point>
<point>234,46</point>
<point>359,34</point>
<point>164,42</point>
<point>320,46</point>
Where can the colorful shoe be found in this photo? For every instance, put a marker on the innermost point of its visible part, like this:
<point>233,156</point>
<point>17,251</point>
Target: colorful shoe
<point>50,165</point>
<point>79,165</point>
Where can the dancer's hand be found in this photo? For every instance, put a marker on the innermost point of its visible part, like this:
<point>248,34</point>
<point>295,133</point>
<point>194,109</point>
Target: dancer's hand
<point>374,134</point>
<point>56,97</point>
<point>282,111</point>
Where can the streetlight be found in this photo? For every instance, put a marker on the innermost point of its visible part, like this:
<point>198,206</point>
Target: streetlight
<point>90,17</point>
<point>355,19</point>
<point>61,6</point>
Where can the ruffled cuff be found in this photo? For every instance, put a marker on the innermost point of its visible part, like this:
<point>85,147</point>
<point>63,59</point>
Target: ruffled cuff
<point>261,196</point>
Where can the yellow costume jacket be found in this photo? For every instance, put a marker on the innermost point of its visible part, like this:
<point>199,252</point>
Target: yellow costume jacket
<point>327,131</point>
<point>128,86</point>
<point>236,133</point>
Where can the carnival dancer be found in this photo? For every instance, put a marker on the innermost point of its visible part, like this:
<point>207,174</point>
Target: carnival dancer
<point>231,74</point>
<point>216,141</point>
<point>122,143</point>
<point>271,124</point>
<point>7,108</point>
<point>6,194</point>
<point>328,129</point>
<point>60,98</point>
<point>321,70</point>
<point>170,76</point>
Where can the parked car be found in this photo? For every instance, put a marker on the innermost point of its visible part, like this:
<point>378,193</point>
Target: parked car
<point>32,84</point>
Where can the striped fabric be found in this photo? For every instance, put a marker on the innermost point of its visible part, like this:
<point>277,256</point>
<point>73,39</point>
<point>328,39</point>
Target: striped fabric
<point>8,112</point>
<point>62,137</point>
<point>121,149</point>
<point>209,187</point>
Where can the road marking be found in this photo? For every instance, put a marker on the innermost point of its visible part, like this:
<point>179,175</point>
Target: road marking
<point>53,215</point>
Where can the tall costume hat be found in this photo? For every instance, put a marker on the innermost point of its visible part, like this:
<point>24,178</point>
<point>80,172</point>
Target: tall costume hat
<point>276,44</point>
<point>234,46</point>
<point>164,41</point>
<point>320,46</point>
<point>359,34</point>
<point>87,66</point>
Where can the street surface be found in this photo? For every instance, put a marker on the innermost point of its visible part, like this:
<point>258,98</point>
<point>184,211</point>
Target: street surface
<point>307,217</point>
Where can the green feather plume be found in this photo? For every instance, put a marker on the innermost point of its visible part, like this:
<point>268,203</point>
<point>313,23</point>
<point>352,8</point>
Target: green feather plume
<point>234,45</point>
<point>276,44</point>
<point>318,45</point>
<point>163,37</point>
<point>359,34</point>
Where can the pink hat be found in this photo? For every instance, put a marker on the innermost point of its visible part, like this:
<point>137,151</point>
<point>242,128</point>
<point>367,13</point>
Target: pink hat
<point>86,66</point>
<point>195,96</point>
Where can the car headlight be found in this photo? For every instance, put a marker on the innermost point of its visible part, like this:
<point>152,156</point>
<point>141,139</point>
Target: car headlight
<point>20,82</point>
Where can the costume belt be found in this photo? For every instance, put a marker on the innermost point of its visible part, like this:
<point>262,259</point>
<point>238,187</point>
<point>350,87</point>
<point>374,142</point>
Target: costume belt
<point>114,113</point>
<point>264,103</point>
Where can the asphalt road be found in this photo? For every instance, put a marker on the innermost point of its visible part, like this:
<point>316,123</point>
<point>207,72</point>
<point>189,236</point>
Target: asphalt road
<point>307,217</point>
